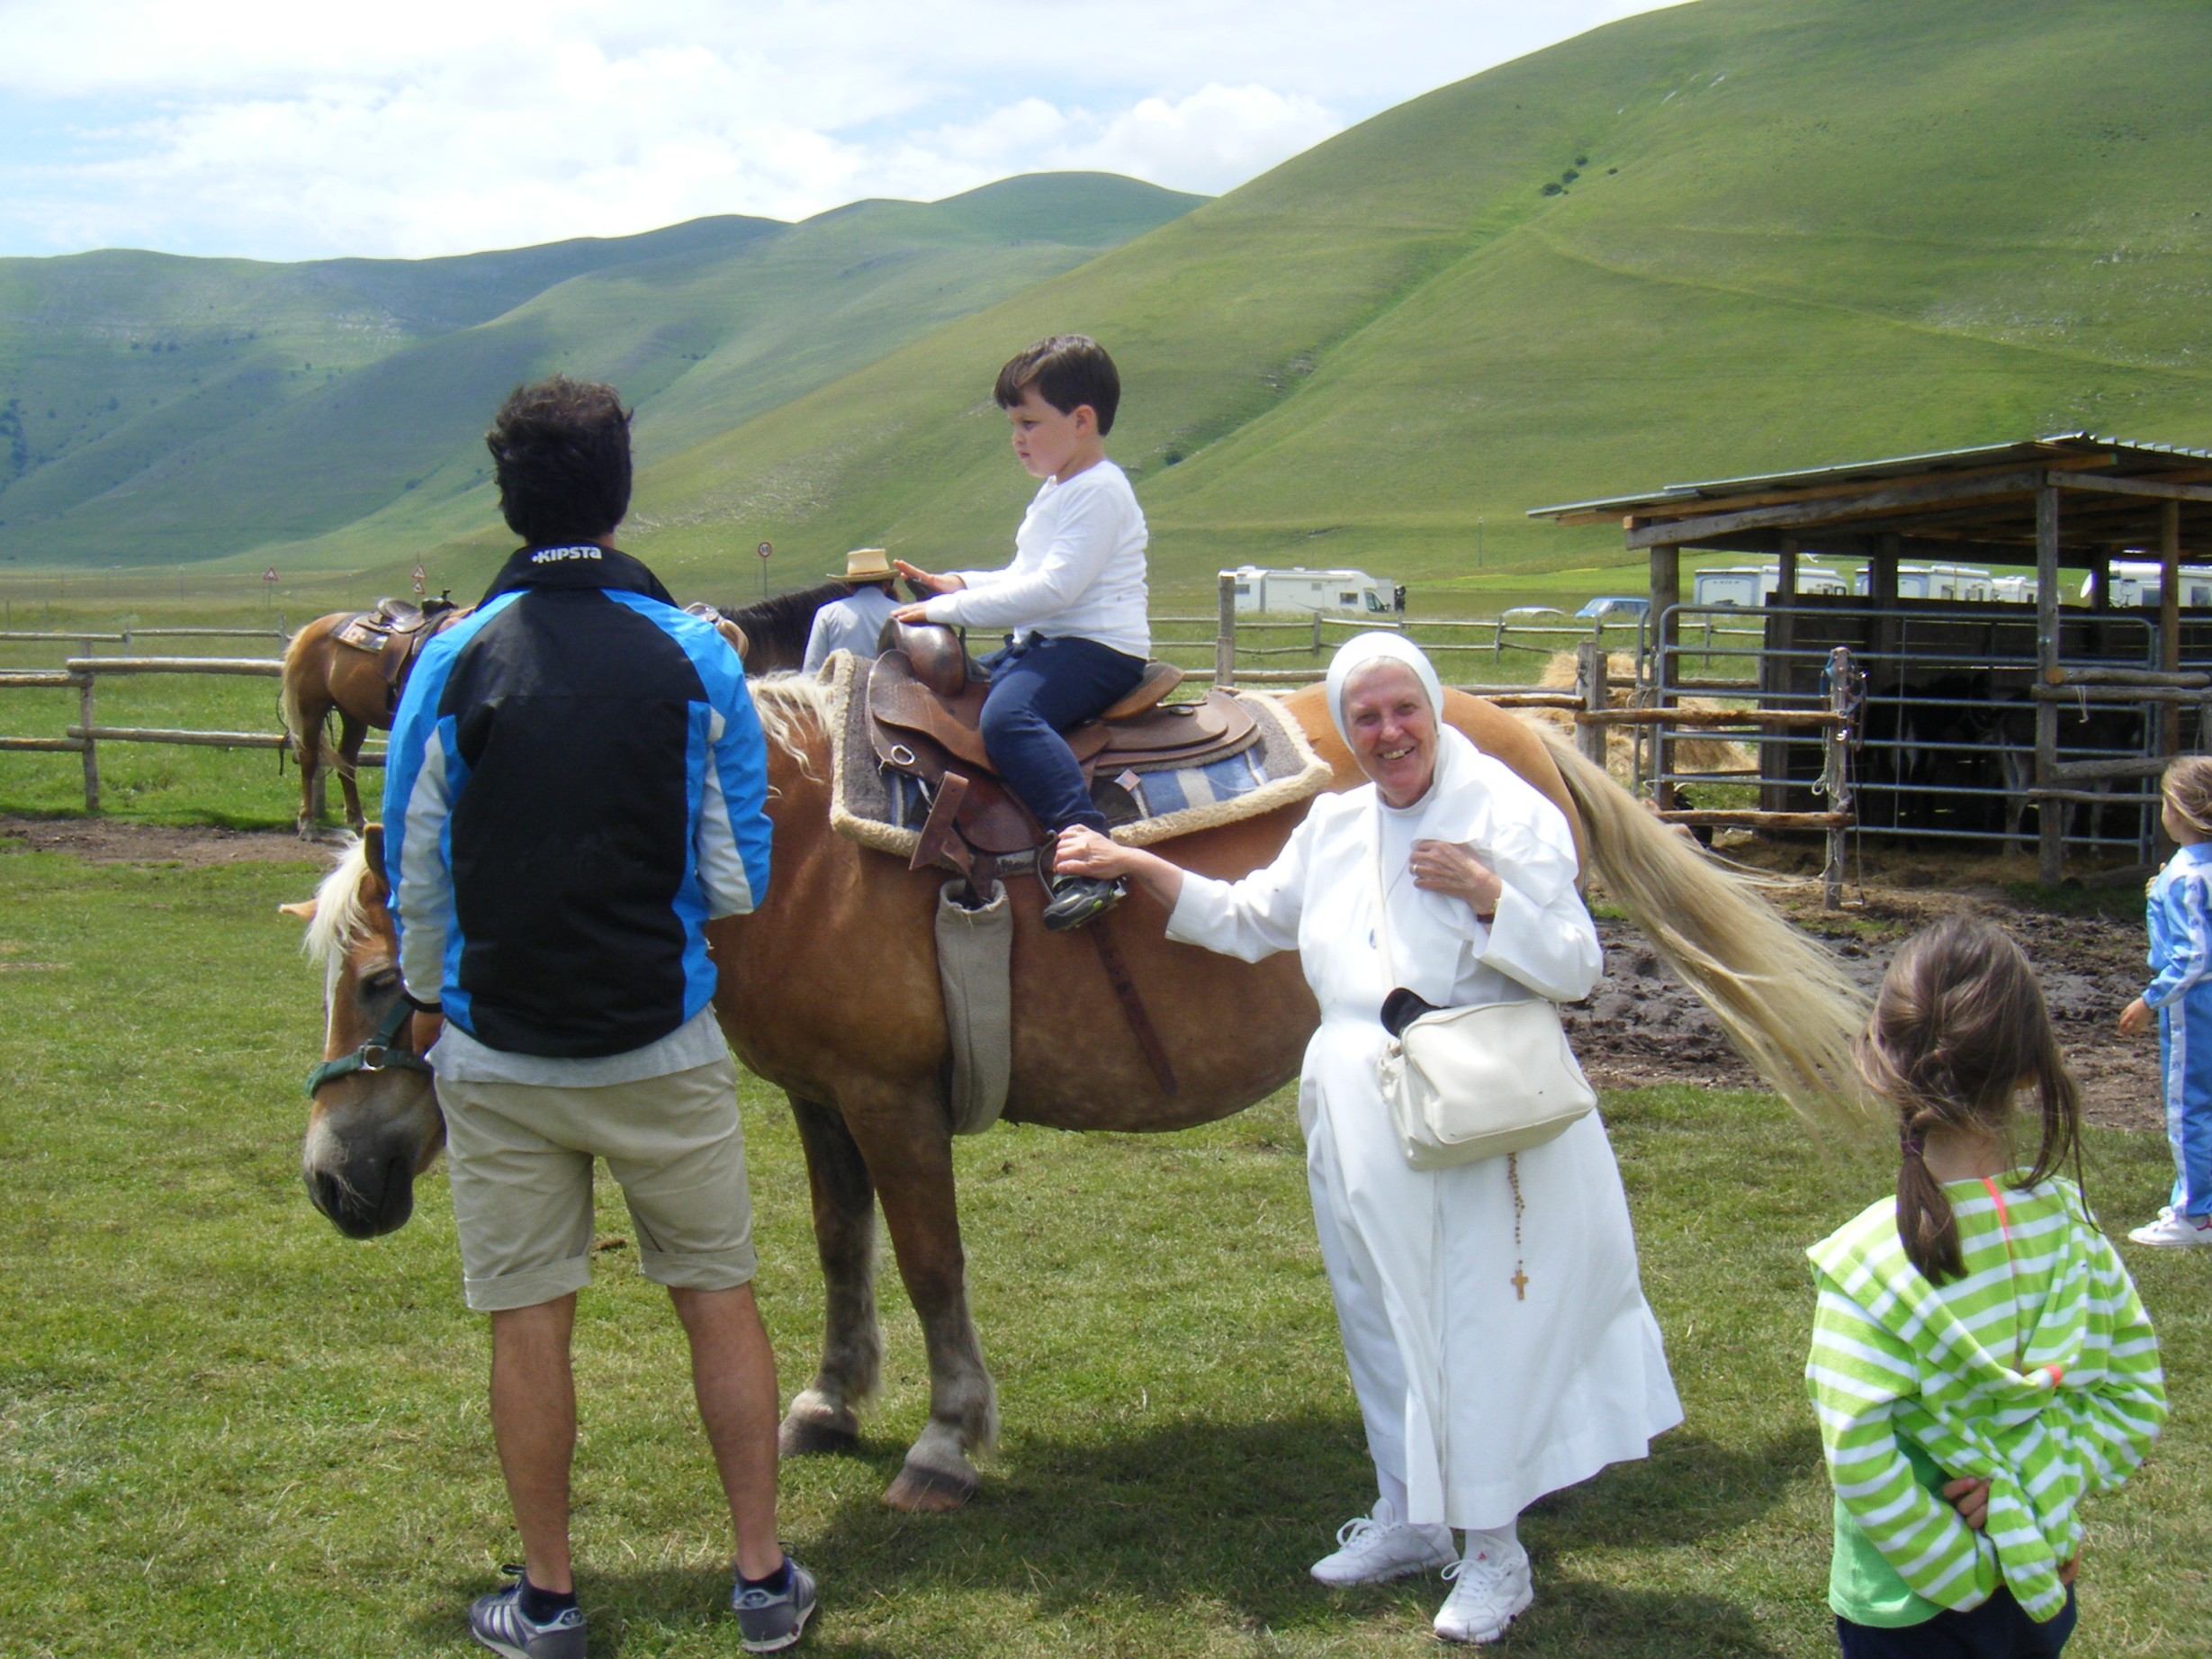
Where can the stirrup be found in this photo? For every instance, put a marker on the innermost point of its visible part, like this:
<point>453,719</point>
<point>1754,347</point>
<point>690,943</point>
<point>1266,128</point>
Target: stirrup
<point>1078,899</point>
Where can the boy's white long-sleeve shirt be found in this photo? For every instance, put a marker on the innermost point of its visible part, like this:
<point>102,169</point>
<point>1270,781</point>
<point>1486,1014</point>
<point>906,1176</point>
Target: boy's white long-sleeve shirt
<point>1078,569</point>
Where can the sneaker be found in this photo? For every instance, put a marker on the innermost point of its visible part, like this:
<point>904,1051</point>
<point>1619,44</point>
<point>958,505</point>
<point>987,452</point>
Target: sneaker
<point>498,1622</point>
<point>1488,1594</point>
<point>768,1620</point>
<point>1078,899</point>
<point>2174,1232</point>
<point>1373,1549</point>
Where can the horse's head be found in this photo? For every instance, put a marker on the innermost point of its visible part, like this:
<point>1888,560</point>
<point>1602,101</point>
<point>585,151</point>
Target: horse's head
<point>376,1123</point>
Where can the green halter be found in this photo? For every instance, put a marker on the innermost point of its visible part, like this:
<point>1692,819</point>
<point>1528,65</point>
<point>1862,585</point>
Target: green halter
<point>381,1052</point>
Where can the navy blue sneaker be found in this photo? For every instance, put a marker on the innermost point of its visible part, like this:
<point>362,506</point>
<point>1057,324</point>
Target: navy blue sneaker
<point>498,1622</point>
<point>768,1620</point>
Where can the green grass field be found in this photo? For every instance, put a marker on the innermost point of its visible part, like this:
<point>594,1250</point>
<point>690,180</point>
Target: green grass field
<point>226,1431</point>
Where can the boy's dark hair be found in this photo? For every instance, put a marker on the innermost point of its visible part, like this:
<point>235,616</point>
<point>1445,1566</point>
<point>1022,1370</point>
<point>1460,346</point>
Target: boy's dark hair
<point>561,453</point>
<point>1959,1025</point>
<point>1069,370</point>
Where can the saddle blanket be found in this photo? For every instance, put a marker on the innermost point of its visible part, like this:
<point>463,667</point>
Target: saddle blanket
<point>885,810</point>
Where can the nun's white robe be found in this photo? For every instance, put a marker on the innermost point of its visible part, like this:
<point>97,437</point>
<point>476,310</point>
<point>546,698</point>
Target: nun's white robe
<point>1479,1401</point>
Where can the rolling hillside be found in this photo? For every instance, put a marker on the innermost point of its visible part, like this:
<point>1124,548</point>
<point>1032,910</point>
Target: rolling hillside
<point>167,409</point>
<point>1726,237</point>
<point>1730,236</point>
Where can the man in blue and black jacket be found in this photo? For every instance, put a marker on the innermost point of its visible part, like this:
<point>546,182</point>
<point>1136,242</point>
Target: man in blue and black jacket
<point>576,786</point>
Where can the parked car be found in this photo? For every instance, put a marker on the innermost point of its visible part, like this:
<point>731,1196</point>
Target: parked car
<point>1615,606</point>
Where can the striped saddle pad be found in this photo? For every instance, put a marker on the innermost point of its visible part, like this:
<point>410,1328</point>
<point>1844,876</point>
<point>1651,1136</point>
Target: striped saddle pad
<point>886,809</point>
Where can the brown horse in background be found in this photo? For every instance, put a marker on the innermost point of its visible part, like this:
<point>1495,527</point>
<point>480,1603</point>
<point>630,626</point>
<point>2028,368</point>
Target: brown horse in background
<point>322,677</point>
<point>843,926</point>
<point>325,676</point>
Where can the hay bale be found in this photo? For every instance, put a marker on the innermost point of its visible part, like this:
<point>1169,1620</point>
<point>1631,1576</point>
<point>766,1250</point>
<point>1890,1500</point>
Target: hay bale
<point>1691,753</point>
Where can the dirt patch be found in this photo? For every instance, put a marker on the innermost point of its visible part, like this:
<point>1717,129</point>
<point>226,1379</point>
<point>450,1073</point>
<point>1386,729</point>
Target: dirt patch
<point>1643,1026</point>
<point>104,841</point>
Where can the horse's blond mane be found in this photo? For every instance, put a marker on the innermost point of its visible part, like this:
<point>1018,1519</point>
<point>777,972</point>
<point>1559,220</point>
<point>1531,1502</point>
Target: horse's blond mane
<point>794,708</point>
<point>338,904</point>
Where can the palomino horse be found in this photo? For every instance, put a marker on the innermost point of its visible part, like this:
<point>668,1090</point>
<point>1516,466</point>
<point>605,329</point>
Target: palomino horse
<point>324,676</point>
<point>845,927</point>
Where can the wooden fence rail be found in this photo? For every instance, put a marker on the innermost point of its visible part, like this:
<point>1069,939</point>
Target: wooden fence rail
<point>85,672</point>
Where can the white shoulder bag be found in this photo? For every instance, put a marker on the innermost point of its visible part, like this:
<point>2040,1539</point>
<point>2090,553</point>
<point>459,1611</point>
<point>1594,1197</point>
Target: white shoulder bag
<point>1466,1084</point>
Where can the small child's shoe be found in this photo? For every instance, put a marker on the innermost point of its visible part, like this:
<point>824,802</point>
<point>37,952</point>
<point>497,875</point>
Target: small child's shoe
<point>1078,899</point>
<point>2175,1231</point>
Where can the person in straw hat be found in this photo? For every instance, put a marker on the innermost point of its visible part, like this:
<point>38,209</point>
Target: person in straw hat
<point>856,622</point>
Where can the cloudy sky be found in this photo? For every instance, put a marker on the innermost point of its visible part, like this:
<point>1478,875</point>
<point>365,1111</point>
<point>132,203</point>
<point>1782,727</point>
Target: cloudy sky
<point>282,129</point>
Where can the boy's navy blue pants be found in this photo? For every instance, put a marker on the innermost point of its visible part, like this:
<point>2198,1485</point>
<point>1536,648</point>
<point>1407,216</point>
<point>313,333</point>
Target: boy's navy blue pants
<point>1039,689</point>
<point>1997,1629</point>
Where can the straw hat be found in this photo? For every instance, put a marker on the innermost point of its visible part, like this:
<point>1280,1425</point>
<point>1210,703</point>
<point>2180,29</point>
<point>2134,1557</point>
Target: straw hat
<point>865,565</point>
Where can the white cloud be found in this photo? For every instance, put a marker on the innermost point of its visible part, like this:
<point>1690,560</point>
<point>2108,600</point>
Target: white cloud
<point>271,127</point>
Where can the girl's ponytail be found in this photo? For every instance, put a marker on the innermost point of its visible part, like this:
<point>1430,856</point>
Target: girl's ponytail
<point>1958,1028</point>
<point>1925,1224</point>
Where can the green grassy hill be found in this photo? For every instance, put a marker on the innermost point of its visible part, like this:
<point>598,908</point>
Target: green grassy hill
<point>1734,235</point>
<point>169,409</point>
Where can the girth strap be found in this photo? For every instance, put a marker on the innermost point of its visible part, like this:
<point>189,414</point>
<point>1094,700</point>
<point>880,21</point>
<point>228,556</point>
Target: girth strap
<point>1132,1005</point>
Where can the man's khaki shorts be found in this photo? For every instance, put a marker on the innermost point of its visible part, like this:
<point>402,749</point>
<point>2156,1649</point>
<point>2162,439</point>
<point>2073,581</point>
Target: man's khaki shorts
<point>520,1161</point>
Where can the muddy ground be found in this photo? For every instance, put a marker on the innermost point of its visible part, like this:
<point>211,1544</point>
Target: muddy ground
<point>1641,1025</point>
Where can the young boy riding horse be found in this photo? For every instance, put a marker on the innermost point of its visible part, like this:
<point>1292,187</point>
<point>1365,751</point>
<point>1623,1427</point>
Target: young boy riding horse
<point>1073,600</point>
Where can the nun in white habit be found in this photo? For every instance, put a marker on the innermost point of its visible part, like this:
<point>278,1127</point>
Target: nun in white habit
<point>1497,1336</point>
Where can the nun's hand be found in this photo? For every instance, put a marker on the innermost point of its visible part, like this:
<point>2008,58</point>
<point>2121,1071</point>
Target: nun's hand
<point>1081,851</point>
<point>1447,867</point>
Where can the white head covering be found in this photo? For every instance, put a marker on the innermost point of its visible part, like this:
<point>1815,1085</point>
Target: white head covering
<point>1363,650</point>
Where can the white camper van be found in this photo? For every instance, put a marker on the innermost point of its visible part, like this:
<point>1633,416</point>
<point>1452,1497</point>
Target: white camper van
<point>1352,591</point>
<point>1935,582</point>
<point>2137,581</point>
<point>1752,585</point>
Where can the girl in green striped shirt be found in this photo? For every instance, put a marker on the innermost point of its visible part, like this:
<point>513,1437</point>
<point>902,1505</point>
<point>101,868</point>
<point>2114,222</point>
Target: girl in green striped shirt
<point>1980,1362</point>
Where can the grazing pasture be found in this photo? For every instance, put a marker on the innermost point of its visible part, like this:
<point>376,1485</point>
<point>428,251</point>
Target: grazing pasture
<point>225,1431</point>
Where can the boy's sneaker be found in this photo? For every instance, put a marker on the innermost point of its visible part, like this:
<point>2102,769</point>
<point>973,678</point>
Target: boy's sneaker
<point>1489,1592</point>
<point>769,1620</point>
<point>1078,899</point>
<point>2173,1231</point>
<point>498,1622</point>
<point>1373,1549</point>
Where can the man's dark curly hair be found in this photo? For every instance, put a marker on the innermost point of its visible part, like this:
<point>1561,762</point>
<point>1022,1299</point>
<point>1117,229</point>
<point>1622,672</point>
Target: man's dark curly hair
<point>1069,370</point>
<point>561,451</point>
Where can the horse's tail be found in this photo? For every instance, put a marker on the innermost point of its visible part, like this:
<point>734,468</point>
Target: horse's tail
<point>1783,1000</point>
<point>306,731</point>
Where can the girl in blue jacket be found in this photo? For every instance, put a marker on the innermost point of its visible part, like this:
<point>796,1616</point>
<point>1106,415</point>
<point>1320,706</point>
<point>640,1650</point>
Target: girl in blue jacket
<point>2180,994</point>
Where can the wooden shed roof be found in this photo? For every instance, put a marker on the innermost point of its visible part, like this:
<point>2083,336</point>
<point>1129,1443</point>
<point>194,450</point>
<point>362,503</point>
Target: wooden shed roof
<point>1977,503</point>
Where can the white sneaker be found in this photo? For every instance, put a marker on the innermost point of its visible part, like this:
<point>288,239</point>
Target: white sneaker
<point>1490,1592</point>
<point>1373,1549</point>
<point>2175,1232</point>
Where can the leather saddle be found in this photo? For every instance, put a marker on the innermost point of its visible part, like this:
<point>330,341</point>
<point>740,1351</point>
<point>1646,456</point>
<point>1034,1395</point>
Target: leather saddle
<point>929,731</point>
<point>394,633</point>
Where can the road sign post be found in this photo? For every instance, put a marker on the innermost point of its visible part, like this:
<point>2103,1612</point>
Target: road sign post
<point>767,550</point>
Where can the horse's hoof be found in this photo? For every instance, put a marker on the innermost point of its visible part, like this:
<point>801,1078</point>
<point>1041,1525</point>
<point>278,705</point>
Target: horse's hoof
<point>814,1436</point>
<point>930,1492</point>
